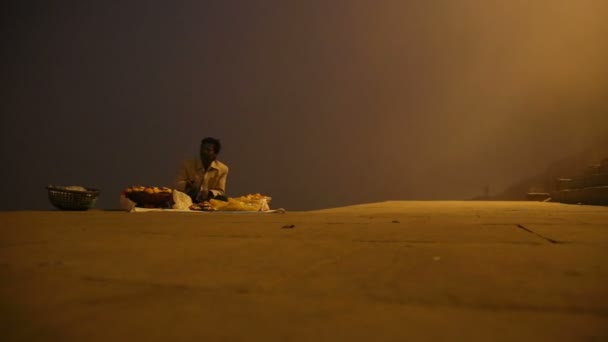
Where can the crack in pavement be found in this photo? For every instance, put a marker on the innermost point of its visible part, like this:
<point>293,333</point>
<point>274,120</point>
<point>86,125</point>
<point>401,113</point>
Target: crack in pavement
<point>19,244</point>
<point>513,307</point>
<point>548,239</point>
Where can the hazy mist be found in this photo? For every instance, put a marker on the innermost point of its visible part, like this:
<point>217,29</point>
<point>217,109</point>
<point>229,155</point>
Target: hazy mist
<point>317,103</point>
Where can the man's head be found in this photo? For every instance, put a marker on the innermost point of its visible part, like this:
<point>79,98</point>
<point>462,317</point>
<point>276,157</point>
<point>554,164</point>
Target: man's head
<point>210,148</point>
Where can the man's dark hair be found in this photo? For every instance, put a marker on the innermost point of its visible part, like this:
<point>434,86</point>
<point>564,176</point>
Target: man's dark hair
<point>217,145</point>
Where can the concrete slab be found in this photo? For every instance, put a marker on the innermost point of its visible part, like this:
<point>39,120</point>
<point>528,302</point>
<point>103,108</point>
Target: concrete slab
<point>384,271</point>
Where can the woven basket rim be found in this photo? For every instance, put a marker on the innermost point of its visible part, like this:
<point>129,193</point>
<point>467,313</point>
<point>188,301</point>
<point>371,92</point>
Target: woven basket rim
<point>91,191</point>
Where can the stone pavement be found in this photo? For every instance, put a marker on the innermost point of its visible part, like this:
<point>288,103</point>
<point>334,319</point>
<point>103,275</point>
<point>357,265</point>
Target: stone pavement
<point>392,271</point>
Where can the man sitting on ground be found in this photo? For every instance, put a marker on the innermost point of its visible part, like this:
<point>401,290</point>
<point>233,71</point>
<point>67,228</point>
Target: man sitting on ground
<point>203,178</point>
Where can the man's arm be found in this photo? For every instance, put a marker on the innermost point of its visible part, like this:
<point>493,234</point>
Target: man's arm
<point>183,182</point>
<point>182,177</point>
<point>220,188</point>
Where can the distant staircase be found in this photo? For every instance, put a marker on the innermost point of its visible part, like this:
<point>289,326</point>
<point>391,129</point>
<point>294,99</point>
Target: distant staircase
<point>590,187</point>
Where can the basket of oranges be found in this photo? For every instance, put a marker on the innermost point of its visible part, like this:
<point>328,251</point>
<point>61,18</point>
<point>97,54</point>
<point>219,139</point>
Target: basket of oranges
<point>150,196</point>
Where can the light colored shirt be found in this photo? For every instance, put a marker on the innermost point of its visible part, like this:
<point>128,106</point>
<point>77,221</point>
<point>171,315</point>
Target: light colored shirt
<point>212,179</point>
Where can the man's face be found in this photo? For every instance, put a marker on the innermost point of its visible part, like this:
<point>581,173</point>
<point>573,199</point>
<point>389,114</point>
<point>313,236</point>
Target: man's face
<point>207,152</point>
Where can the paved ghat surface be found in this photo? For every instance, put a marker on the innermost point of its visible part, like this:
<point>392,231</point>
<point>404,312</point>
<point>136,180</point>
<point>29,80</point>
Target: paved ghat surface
<point>392,271</point>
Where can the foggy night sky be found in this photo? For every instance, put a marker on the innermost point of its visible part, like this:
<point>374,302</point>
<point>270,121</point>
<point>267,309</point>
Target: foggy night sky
<point>317,103</point>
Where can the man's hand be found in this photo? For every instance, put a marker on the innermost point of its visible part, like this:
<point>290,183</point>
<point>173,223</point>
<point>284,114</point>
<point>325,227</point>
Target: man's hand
<point>191,189</point>
<point>190,185</point>
<point>204,195</point>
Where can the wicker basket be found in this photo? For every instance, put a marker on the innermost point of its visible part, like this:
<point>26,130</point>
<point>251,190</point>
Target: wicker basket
<point>64,199</point>
<point>147,200</point>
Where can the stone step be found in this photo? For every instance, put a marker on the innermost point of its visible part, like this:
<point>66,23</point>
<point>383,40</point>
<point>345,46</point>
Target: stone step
<point>591,195</point>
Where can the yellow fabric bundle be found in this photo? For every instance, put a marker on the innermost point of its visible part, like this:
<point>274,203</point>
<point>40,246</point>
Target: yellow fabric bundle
<point>255,202</point>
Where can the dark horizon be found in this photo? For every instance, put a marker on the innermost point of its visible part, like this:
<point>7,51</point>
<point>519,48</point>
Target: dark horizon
<point>317,104</point>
